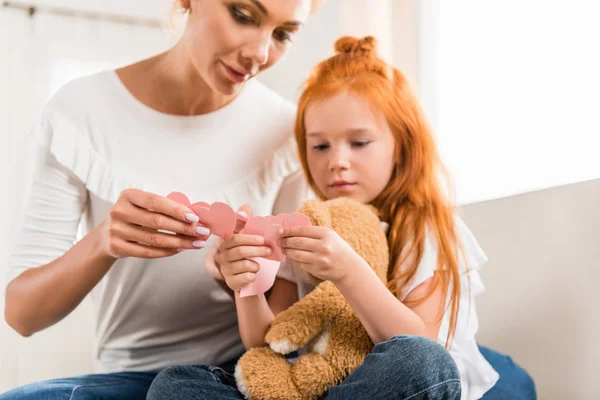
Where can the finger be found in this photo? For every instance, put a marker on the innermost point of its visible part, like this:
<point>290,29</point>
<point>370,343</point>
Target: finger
<point>149,237</point>
<point>300,256</point>
<point>238,281</point>
<point>315,232</point>
<point>157,221</point>
<point>160,204</point>
<point>239,267</point>
<point>300,243</point>
<point>246,213</point>
<point>130,249</point>
<point>242,240</point>
<point>242,252</point>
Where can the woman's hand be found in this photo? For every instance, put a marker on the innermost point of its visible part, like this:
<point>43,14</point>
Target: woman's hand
<point>320,251</point>
<point>233,259</point>
<point>133,227</point>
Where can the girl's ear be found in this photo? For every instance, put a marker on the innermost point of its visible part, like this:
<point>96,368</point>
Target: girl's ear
<point>318,212</point>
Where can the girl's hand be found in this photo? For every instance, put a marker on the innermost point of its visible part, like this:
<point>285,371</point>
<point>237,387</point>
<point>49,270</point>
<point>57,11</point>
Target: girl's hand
<point>320,251</point>
<point>133,227</point>
<point>233,259</point>
<point>211,264</point>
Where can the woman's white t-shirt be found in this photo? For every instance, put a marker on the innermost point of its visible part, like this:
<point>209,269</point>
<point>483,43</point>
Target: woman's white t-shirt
<point>95,139</point>
<point>477,375</point>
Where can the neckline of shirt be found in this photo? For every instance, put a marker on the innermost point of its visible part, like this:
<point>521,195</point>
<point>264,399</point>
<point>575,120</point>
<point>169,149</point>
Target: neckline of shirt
<point>173,119</point>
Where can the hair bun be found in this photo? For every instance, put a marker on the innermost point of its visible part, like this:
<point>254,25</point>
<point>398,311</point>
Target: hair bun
<point>349,44</point>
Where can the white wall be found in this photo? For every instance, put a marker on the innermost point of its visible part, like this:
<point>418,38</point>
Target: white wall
<point>542,278</point>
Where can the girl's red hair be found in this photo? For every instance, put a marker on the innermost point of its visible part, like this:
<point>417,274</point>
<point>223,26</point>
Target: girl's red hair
<point>414,202</point>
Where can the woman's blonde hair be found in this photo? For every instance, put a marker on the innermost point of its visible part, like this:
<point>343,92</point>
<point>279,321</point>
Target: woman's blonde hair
<point>176,5</point>
<point>414,202</point>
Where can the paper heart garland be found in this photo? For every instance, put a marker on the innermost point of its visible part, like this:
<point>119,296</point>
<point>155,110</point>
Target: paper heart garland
<point>221,220</point>
<point>269,227</point>
<point>218,217</point>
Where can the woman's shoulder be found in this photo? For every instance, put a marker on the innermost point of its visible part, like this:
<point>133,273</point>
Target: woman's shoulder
<point>78,92</point>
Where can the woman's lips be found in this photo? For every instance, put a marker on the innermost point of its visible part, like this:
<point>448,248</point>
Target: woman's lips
<point>234,75</point>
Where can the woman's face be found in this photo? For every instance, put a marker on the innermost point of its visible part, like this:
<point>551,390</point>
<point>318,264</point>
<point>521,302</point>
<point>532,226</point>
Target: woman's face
<point>230,41</point>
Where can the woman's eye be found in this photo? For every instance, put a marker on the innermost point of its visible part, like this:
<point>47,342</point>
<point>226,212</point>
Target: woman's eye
<point>282,36</point>
<point>321,147</point>
<point>360,143</point>
<point>240,16</point>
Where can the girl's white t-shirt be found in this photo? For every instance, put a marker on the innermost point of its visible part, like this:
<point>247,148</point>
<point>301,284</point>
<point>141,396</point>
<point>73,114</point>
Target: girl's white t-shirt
<point>94,140</point>
<point>477,375</point>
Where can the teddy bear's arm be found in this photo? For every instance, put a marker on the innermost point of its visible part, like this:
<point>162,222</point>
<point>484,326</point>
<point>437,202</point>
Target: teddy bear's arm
<point>296,326</point>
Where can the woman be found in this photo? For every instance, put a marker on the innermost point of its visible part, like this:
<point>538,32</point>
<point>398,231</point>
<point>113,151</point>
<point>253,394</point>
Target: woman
<point>112,145</point>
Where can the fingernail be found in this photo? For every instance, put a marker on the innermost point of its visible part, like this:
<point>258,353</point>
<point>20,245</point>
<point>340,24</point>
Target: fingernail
<point>281,230</point>
<point>192,217</point>
<point>269,251</point>
<point>202,231</point>
<point>180,250</point>
<point>242,213</point>
<point>260,239</point>
<point>198,244</point>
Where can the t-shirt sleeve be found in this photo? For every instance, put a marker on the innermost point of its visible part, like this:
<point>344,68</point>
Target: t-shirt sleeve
<point>471,259</point>
<point>52,214</point>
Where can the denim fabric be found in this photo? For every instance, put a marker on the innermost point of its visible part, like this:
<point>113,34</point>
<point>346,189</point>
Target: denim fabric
<point>117,386</point>
<point>405,367</point>
<point>514,383</point>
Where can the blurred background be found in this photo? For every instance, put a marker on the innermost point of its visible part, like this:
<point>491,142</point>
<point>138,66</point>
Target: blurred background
<point>511,88</point>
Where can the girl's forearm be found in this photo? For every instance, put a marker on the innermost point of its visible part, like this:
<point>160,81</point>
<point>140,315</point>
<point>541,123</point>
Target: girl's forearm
<point>254,319</point>
<point>380,312</point>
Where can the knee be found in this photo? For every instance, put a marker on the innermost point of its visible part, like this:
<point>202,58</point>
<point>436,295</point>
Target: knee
<point>173,381</point>
<point>420,359</point>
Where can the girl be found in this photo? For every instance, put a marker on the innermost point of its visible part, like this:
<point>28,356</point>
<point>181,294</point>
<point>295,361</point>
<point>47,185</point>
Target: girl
<point>361,134</point>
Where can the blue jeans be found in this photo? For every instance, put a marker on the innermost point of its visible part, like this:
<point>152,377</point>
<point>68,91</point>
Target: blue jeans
<point>427,371</point>
<point>218,383</point>
<point>121,386</point>
<point>514,383</point>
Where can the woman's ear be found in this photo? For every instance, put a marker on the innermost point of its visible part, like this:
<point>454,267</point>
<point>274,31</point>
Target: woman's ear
<point>318,212</point>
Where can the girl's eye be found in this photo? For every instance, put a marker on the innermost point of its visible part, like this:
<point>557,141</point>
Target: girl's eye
<point>361,143</point>
<point>282,36</point>
<point>321,147</point>
<point>241,16</point>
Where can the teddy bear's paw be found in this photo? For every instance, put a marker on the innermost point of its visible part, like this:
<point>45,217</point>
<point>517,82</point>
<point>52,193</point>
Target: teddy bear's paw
<point>240,382</point>
<point>283,347</point>
<point>262,374</point>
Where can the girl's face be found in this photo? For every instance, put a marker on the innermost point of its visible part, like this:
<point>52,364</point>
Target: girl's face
<point>350,147</point>
<point>230,41</point>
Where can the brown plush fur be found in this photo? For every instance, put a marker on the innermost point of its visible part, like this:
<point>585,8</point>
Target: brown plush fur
<point>323,320</point>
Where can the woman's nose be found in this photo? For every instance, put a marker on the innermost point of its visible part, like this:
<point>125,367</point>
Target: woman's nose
<point>258,51</point>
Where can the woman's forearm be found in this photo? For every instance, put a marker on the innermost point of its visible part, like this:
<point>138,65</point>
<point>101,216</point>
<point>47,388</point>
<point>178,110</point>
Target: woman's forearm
<point>40,297</point>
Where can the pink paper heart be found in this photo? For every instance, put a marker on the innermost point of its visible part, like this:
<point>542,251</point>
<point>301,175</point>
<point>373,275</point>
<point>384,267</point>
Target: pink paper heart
<point>219,218</point>
<point>265,277</point>
<point>200,204</point>
<point>179,197</point>
<point>296,219</point>
<point>261,226</point>
<point>183,199</point>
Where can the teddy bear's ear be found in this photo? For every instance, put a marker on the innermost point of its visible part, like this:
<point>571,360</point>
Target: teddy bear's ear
<point>318,212</point>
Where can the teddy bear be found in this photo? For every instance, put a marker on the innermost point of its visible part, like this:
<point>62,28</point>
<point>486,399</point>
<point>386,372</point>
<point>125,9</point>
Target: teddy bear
<point>323,322</point>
